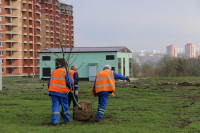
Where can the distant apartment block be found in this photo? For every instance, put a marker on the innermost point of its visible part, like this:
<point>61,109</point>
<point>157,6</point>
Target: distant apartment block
<point>172,50</point>
<point>27,27</point>
<point>190,50</point>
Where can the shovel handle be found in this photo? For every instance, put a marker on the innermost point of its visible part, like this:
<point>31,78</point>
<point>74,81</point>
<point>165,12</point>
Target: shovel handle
<point>74,99</point>
<point>72,91</point>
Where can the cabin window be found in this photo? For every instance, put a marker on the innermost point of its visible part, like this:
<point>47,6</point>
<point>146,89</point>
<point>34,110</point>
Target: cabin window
<point>46,58</point>
<point>110,57</point>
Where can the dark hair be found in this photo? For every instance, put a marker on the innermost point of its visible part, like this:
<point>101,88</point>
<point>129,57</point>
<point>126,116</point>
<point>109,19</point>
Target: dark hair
<point>62,64</point>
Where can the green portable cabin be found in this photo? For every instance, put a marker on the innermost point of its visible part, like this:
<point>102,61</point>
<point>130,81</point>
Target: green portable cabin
<point>89,60</point>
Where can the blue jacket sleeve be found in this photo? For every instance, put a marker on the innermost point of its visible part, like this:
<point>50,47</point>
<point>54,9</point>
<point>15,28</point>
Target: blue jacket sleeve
<point>49,82</point>
<point>94,85</point>
<point>119,76</point>
<point>71,81</point>
<point>76,80</point>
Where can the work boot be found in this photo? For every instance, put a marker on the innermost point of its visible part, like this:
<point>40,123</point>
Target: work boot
<point>97,120</point>
<point>54,124</point>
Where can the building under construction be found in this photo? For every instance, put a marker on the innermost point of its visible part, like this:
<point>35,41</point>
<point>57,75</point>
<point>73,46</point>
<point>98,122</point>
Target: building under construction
<point>29,26</point>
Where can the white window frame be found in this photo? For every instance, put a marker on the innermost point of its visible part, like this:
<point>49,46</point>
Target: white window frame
<point>1,27</point>
<point>1,44</point>
<point>1,35</point>
<point>0,9</point>
<point>0,1</point>
<point>11,20</point>
<point>1,53</point>
<point>1,18</point>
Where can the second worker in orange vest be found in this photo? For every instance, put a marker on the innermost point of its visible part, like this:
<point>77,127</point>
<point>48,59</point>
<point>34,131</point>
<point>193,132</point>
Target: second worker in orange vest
<point>103,86</point>
<point>74,74</point>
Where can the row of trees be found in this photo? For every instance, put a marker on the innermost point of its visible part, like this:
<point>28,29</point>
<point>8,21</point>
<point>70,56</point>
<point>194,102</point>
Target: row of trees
<point>168,66</point>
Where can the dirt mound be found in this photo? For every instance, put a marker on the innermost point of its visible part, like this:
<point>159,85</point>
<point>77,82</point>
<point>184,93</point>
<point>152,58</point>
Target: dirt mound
<point>186,83</point>
<point>85,113</point>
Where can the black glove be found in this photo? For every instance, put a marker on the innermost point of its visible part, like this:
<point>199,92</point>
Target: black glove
<point>127,79</point>
<point>95,94</point>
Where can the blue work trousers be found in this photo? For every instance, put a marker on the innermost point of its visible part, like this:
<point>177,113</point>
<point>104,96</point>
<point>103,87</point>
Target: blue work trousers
<point>102,104</point>
<point>56,102</point>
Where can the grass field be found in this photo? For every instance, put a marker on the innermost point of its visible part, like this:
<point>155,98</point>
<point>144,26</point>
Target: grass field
<point>156,105</point>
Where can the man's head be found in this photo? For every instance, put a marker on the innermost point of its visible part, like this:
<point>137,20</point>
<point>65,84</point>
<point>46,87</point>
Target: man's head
<point>107,67</point>
<point>62,64</point>
<point>74,67</point>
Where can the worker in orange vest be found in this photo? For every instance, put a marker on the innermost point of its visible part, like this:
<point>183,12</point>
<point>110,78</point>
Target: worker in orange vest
<point>59,87</point>
<point>74,74</point>
<point>103,86</point>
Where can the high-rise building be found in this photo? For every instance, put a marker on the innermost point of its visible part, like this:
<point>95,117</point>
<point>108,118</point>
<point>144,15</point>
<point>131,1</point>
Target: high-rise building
<point>190,50</point>
<point>28,26</point>
<point>172,50</point>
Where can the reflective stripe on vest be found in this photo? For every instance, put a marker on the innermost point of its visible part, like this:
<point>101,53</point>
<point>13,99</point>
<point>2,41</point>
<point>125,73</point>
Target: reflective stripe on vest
<point>105,81</point>
<point>104,85</point>
<point>64,86</point>
<point>105,78</point>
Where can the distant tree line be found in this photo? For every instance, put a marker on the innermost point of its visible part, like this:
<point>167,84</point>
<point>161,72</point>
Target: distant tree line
<point>168,67</point>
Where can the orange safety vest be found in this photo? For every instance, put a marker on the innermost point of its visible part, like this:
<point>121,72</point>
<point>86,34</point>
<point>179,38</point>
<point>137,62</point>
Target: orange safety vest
<point>105,81</point>
<point>57,81</point>
<point>72,74</point>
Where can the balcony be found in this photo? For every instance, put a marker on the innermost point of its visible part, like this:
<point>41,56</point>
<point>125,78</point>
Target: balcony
<point>37,4</point>
<point>24,1</point>
<point>11,54</point>
<point>11,12</point>
<point>11,29</point>
<point>38,20</point>
<point>47,24</point>
<point>11,62</point>
<point>30,2</point>
<point>25,17</point>
<point>38,12</point>
<point>12,37</point>
<point>47,18</point>
<point>25,23</point>
<point>25,39</point>
<point>11,4</point>
<point>25,32</point>
<point>30,39</point>
<point>25,7</point>
<point>12,49</point>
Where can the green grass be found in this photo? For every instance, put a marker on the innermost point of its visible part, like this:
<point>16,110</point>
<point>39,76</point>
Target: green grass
<point>142,106</point>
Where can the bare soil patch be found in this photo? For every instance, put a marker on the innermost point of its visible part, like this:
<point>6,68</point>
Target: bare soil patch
<point>185,122</point>
<point>85,113</point>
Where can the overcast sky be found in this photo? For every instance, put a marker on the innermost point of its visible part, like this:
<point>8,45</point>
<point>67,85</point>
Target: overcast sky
<point>136,24</point>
